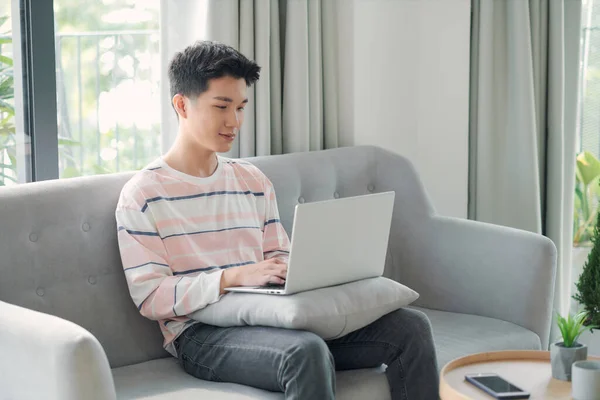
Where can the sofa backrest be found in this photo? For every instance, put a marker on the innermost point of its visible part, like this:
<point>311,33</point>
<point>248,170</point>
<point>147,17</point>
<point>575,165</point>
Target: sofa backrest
<point>59,252</point>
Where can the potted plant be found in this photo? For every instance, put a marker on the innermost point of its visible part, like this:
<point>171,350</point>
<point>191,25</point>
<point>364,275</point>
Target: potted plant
<point>585,213</point>
<point>588,289</point>
<point>564,353</point>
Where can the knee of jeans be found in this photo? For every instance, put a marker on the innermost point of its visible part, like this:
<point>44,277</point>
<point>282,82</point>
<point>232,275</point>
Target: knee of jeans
<point>422,322</point>
<point>309,347</point>
<point>418,320</point>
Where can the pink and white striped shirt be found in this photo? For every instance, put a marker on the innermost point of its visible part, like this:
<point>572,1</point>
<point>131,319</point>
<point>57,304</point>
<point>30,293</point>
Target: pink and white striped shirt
<point>177,233</point>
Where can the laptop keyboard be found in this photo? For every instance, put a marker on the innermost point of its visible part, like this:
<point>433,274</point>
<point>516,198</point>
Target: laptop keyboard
<point>273,286</point>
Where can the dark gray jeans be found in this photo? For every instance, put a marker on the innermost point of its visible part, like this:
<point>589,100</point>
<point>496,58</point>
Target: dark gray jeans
<point>302,365</point>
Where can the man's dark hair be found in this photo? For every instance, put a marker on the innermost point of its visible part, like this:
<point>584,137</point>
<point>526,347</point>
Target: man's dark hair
<point>190,70</point>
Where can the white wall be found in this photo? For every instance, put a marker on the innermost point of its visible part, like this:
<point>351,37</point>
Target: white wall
<point>404,85</point>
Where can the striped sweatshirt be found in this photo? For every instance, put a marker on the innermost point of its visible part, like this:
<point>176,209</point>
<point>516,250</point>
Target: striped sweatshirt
<point>177,233</point>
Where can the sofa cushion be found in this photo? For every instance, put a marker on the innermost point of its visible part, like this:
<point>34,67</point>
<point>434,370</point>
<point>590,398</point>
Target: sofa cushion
<point>330,312</point>
<point>458,335</point>
<point>165,379</point>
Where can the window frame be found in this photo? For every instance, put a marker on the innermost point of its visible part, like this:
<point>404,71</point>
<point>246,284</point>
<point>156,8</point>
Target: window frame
<point>35,88</point>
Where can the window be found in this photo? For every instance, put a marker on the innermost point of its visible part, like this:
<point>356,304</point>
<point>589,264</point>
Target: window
<point>589,101</point>
<point>587,188</point>
<point>107,82</point>
<point>100,113</point>
<point>13,144</point>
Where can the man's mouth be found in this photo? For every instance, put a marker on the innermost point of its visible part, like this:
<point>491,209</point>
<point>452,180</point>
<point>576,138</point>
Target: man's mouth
<point>229,136</point>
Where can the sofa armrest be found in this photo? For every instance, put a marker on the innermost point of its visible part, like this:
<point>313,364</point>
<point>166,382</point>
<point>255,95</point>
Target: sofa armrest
<point>46,357</point>
<point>477,268</point>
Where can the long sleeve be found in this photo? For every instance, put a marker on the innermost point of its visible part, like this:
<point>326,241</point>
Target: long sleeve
<point>178,233</point>
<point>156,292</point>
<point>275,239</point>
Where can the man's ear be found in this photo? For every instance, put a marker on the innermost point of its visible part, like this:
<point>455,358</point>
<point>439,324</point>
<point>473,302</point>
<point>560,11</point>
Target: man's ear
<point>179,105</point>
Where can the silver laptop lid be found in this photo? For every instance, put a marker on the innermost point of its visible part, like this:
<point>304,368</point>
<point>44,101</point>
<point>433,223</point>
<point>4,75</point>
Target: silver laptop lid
<point>339,241</point>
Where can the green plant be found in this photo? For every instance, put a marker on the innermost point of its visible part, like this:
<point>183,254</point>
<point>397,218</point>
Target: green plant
<point>572,327</point>
<point>587,192</point>
<point>588,285</point>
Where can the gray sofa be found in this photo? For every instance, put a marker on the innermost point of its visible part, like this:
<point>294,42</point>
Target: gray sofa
<point>483,287</point>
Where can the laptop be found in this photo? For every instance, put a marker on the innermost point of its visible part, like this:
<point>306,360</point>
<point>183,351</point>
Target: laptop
<point>335,242</point>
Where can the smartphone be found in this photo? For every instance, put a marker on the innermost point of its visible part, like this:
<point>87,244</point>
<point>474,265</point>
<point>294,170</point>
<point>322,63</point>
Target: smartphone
<point>496,386</point>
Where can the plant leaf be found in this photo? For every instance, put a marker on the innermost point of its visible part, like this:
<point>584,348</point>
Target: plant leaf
<point>7,88</point>
<point>572,334</point>
<point>7,130</point>
<point>6,60</point>
<point>578,198</point>
<point>7,107</point>
<point>588,167</point>
<point>562,326</point>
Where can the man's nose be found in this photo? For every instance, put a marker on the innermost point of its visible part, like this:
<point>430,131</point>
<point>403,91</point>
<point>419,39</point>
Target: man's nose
<point>233,120</point>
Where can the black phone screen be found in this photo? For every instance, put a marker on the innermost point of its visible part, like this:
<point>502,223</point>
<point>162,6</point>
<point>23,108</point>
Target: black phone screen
<point>496,384</point>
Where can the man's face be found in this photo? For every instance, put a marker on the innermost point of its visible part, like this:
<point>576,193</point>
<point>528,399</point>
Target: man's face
<point>214,118</point>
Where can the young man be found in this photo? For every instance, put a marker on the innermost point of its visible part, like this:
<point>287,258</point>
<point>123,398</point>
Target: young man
<point>192,223</point>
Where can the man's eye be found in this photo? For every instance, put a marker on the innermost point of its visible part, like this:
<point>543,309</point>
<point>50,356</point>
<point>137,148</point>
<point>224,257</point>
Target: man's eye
<point>221,107</point>
<point>241,109</point>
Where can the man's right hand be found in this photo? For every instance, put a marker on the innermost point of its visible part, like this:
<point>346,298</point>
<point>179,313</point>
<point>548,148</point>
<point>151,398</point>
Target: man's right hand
<point>268,271</point>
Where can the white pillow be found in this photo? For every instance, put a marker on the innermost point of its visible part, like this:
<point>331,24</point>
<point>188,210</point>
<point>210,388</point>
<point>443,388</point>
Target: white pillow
<point>330,312</point>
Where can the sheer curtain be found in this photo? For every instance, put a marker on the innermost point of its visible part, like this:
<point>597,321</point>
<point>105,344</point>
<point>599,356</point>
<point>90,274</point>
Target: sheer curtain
<point>293,106</point>
<point>524,79</point>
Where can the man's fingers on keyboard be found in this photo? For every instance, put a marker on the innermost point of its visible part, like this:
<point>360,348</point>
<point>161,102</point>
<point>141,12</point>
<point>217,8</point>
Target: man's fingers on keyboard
<point>281,270</point>
<point>277,267</point>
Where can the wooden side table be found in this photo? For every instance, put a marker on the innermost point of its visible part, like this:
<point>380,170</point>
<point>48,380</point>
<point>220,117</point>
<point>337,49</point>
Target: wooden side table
<point>529,370</point>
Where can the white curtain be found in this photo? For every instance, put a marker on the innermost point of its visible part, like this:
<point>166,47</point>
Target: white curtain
<point>176,32</point>
<point>293,106</point>
<point>524,77</point>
